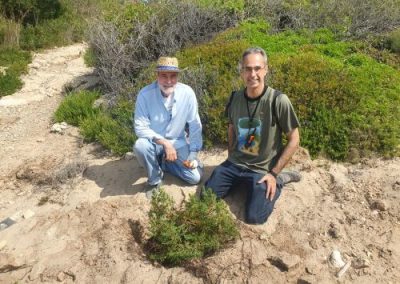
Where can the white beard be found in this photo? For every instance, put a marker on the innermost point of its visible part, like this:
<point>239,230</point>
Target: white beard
<point>167,91</point>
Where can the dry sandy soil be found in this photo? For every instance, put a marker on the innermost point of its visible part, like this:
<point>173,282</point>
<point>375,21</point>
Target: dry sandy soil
<point>79,213</point>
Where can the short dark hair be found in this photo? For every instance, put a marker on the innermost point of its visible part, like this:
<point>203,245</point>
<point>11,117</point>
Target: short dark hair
<point>253,50</point>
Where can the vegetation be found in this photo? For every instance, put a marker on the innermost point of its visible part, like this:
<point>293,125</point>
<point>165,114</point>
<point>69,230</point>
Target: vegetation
<point>112,128</point>
<point>345,98</point>
<point>202,227</point>
<point>34,24</point>
<point>338,61</point>
<point>13,63</point>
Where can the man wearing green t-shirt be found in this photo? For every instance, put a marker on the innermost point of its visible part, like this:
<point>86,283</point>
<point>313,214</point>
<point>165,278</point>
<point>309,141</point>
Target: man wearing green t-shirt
<point>258,116</point>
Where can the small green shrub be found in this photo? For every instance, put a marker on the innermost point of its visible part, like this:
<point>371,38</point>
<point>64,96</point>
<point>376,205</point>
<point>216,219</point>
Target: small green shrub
<point>15,63</point>
<point>202,227</point>
<point>90,58</point>
<point>76,107</point>
<point>108,132</point>
<point>9,83</point>
<point>112,128</point>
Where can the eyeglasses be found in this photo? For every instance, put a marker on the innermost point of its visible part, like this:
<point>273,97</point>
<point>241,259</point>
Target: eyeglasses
<point>250,70</point>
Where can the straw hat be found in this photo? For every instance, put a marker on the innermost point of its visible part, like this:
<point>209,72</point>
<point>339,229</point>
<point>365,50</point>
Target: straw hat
<point>167,64</point>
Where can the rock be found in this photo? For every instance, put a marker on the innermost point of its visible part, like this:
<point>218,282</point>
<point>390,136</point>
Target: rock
<point>333,231</point>
<point>129,156</point>
<point>3,243</point>
<point>378,205</point>
<point>8,263</point>
<point>36,272</point>
<point>6,223</point>
<point>339,177</point>
<point>343,270</point>
<point>263,236</point>
<point>360,263</point>
<point>40,140</point>
<point>336,259</point>
<point>61,276</point>
<point>285,261</point>
<point>396,185</point>
<point>28,214</point>
<point>59,127</point>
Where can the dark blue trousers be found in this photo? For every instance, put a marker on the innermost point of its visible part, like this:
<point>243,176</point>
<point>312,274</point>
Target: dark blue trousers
<point>228,175</point>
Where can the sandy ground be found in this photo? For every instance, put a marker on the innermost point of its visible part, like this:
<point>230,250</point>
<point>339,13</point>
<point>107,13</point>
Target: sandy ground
<point>79,213</point>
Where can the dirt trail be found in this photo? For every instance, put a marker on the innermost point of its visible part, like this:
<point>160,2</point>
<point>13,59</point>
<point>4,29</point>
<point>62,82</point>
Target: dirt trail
<point>83,228</point>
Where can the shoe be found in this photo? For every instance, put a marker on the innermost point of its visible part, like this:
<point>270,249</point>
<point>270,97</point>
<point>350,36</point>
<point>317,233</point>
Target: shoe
<point>150,189</point>
<point>289,176</point>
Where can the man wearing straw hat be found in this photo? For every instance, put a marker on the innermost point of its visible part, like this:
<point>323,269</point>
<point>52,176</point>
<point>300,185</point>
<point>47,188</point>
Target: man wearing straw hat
<point>168,127</point>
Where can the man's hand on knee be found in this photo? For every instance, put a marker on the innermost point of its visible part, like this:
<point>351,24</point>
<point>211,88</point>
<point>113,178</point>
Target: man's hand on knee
<point>170,152</point>
<point>270,183</point>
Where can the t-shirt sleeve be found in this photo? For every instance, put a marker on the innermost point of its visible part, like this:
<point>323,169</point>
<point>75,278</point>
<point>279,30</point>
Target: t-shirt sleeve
<point>286,115</point>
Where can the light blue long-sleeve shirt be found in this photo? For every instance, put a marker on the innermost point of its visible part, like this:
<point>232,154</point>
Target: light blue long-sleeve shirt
<point>153,121</point>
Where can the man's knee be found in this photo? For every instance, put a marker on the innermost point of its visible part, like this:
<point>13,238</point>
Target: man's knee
<point>142,146</point>
<point>256,218</point>
<point>194,177</point>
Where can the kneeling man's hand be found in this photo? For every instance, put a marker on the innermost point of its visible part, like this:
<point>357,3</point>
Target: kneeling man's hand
<point>270,183</point>
<point>191,161</point>
<point>170,152</point>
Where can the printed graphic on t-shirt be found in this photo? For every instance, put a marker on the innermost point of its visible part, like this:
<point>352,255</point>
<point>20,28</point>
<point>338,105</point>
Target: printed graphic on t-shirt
<point>249,135</point>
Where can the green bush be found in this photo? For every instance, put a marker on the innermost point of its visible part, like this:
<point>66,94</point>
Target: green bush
<point>112,128</point>
<point>77,107</point>
<point>202,227</point>
<point>345,97</point>
<point>89,58</point>
<point>15,63</point>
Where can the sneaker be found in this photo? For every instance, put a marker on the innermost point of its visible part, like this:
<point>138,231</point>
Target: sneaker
<point>289,176</point>
<point>150,189</point>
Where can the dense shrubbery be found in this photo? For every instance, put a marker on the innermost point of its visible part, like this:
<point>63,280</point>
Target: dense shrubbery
<point>126,45</point>
<point>202,227</point>
<point>345,99</point>
<point>354,19</point>
<point>14,63</point>
<point>112,128</point>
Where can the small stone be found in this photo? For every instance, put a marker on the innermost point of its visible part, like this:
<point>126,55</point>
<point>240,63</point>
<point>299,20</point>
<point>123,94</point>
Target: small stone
<point>285,261</point>
<point>378,205</point>
<point>336,259</point>
<point>313,244</point>
<point>263,236</point>
<point>310,270</point>
<point>333,231</point>
<point>396,185</point>
<point>61,276</point>
<point>360,263</point>
<point>40,140</point>
<point>28,214</point>
<point>129,156</point>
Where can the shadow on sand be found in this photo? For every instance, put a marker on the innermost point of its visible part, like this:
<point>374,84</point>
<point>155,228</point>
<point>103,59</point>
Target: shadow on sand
<point>122,177</point>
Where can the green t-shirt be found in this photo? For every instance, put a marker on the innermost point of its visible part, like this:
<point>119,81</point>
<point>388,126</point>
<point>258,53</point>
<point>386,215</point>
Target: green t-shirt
<point>257,143</point>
